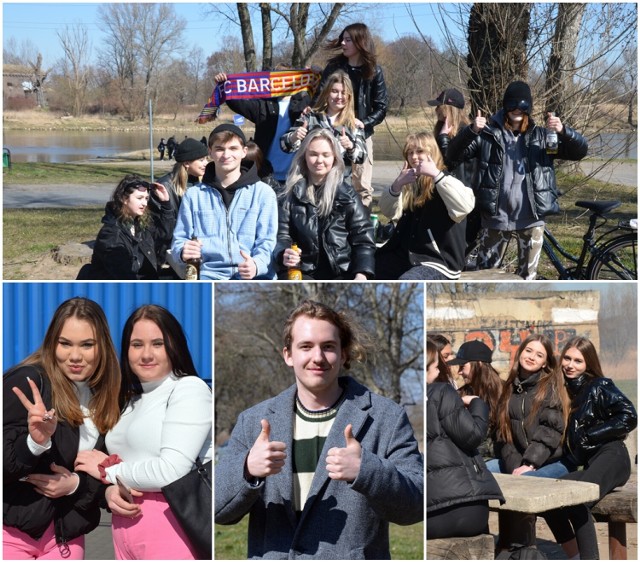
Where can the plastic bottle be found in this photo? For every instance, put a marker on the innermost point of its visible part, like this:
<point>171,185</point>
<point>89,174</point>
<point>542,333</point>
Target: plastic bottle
<point>551,140</point>
<point>294,273</point>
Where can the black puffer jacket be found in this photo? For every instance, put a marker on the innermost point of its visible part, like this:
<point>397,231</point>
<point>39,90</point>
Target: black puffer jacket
<point>23,507</point>
<point>538,441</point>
<point>371,100</point>
<point>118,254</point>
<point>488,148</point>
<point>456,473</point>
<point>264,114</point>
<point>599,413</point>
<point>346,234</point>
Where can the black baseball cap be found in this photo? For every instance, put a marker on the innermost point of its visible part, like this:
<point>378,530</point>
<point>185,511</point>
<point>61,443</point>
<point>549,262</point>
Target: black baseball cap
<point>451,96</point>
<point>472,351</point>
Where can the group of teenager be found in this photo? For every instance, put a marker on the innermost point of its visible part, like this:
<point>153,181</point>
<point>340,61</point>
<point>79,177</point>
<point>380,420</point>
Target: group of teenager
<point>553,417</point>
<point>299,195</point>
<point>82,430</point>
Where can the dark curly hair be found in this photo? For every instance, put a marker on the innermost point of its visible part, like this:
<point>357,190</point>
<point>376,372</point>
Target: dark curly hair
<point>121,193</point>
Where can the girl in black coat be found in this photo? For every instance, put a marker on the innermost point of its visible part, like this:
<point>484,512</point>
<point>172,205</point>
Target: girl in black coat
<point>532,413</point>
<point>459,486</point>
<point>323,216</point>
<point>61,399</point>
<point>126,247</point>
<point>601,418</point>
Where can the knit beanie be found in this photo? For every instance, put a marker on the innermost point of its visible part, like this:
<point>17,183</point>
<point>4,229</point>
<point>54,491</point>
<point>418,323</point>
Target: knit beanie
<point>237,131</point>
<point>517,96</point>
<point>190,149</point>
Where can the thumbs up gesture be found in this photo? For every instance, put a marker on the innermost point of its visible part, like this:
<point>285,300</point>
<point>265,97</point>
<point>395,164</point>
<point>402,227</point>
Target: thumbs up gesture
<point>265,457</point>
<point>247,268</point>
<point>302,131</point>
<point>345,142</point>
<point>479,122</point>
<point>344,463</point>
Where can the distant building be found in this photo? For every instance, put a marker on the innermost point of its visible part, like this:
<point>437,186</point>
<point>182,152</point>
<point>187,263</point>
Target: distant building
<point>17,82</point>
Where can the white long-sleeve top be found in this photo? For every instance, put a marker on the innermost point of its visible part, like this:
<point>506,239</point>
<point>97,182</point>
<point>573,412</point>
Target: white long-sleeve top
<point>160,434</point>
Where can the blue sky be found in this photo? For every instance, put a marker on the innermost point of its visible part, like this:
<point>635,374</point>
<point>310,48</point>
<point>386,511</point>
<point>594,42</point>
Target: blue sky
<point>39,22</point>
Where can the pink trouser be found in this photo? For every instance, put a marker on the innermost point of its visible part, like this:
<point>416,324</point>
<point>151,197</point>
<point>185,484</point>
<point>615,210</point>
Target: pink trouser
<point>154,535</point>
<point>17,545</point>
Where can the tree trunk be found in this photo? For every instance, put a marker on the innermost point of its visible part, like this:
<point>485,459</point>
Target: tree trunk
<point>267,37</point>
<point>497,39</point>
<point>562,61</point>
<point>298,17</point>
<point>247,38</point>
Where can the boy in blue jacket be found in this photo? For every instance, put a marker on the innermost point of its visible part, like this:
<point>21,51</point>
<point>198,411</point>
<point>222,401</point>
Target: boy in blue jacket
<point>229,221</point>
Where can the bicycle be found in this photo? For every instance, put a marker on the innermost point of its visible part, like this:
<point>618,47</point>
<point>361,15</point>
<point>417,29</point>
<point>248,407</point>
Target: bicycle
<point>611,255</point>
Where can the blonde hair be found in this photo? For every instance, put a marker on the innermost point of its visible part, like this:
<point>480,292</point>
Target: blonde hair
<point>321,196</point>
<point>415,195</point>
<point>180,178</point>
<point>347,116</point>
<point>456,117</point>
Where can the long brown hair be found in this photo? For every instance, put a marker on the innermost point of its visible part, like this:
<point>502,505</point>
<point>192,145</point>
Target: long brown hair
<point>105,380</point>
<point>457,118</point>
<point>347,116</point>
<point>444,371</point>
<point>589,353</point>
<point>418,193</point>
<point>485,383</point>
<point>550,384</point>
<point>363,41</point>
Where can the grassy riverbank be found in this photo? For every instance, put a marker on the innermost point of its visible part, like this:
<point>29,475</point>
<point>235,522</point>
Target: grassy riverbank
<point>30,235</point>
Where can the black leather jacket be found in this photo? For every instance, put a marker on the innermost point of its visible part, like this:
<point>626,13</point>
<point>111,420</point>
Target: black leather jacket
<point>488,148</point>
<point>371,100</point>
<point>346,234</point>
<point>456,473</point>
<point>599,413</point>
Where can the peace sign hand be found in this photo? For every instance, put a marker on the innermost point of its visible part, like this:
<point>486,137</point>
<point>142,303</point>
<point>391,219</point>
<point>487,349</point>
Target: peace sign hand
<point>41,422</point>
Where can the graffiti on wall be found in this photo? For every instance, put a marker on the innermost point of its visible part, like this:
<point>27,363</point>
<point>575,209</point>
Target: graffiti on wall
<point>507,340</point>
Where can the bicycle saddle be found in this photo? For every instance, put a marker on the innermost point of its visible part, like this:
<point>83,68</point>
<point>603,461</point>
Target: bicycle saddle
<point>599,207</point>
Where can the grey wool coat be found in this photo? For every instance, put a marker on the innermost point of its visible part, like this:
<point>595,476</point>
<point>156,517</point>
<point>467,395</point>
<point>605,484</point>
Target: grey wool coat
<point>340,520</point>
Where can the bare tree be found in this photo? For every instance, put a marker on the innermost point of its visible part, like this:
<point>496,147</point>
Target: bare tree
<point>75,67</point>
<point>498,36</point>
<point>248,340</point>
<point>306,25</point>
<point>19,53</point>
<point>141,40</point>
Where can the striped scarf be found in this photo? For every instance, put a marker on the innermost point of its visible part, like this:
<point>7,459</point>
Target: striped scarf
<point>259,85</point>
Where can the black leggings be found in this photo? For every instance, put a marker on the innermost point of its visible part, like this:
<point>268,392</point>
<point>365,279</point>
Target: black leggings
<point>610,467</point>
<point>463,520</point>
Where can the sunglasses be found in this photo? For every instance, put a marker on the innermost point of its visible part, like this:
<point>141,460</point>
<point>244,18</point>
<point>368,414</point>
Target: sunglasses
<point>522,105</point>
<point>140,185</point>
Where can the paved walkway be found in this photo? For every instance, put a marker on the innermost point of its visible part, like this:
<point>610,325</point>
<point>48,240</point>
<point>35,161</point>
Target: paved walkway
<point>384,172</point>
<point>98,543</point>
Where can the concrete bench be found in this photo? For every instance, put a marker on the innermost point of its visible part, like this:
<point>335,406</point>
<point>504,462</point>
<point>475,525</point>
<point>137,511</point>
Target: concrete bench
<point>617,509</point>
<point>480,547</point>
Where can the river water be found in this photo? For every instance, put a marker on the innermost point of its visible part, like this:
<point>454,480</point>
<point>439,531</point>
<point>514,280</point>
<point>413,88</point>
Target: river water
<point>70,146</point>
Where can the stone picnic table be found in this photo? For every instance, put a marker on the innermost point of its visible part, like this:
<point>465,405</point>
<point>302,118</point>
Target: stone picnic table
<point>527,496</point>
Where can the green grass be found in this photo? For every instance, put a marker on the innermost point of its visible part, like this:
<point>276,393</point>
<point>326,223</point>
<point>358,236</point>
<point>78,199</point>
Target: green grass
<point>30,234</point>
<point>407,543</point>
<point>48,173</point>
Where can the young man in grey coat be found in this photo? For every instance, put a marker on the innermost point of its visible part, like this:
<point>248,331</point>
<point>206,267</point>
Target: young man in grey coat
<point>323,467</point>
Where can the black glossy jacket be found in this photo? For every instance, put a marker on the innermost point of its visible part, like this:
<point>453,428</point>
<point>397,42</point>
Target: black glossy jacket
<point>488,148</point>
<point>23,507</point>
<point>346,234</point>
<point>599,413</point>
<point>264,114</point>
<point>456,473</point>
<point>539,441</point>
<point>372,98</point>
<point>118,254</point>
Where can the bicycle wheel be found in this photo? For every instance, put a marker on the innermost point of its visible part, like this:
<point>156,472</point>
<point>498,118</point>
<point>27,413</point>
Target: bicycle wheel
<point>617,259</point>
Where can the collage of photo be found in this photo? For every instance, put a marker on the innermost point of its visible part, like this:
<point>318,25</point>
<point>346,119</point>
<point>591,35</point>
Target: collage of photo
<point>320,281</point>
